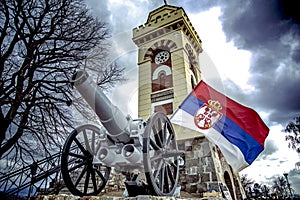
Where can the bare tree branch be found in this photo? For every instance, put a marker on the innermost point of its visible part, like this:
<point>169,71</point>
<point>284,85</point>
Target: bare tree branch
<point>42,43</point>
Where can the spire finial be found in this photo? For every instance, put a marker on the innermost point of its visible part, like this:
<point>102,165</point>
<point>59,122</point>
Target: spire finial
<point>165,2</point>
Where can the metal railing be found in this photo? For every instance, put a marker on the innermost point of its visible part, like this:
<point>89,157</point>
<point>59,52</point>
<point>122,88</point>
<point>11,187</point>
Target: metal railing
<point>41,177</point>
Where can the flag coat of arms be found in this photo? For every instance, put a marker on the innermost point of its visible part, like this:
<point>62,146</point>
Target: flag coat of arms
<point>237,130</point>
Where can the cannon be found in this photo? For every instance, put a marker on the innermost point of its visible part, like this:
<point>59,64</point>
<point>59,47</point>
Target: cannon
<point>145,152</point>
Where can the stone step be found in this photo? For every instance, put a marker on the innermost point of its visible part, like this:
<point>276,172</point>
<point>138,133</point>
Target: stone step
<point>140,197</point>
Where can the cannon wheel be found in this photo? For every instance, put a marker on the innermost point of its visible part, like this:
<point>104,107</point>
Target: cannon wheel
<point>80,175</point>
<point>160,155</point>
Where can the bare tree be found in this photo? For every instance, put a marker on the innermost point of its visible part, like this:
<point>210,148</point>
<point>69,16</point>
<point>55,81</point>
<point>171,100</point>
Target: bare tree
<point>247,184</point>
<point>293,134</point>
<point>265,191</point>
<point>42,44</point>
<point>280,187</point>
<point>257,190</point>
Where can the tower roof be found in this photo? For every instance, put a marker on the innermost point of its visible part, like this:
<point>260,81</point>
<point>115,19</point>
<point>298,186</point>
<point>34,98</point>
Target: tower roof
<point>169,18</point>
<point>157,12</point>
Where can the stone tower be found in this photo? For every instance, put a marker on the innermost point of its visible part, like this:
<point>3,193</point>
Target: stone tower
<point>168,65</point>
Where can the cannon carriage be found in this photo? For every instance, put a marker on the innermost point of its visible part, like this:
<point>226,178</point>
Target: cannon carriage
<point>146,152</point>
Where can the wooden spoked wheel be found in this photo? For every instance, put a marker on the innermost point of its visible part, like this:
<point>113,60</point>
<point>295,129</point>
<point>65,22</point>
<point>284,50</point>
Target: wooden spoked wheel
<point>160,155</point>
<point>80,175</point>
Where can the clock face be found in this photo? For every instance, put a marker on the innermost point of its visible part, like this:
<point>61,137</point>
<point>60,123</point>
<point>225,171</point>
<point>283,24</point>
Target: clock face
<point>162,57</point>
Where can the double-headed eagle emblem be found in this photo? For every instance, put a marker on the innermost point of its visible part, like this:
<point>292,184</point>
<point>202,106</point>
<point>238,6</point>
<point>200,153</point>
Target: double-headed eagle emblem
<point>208,114</point>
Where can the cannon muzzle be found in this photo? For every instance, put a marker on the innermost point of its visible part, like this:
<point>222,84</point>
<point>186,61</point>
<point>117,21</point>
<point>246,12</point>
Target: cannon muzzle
<point>131,153</point>
<point>110,116</point>
<point>107,156</point>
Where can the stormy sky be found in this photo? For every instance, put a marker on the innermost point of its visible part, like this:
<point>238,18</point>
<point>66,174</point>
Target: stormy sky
<point>270,30</point>
<point>267,30</point>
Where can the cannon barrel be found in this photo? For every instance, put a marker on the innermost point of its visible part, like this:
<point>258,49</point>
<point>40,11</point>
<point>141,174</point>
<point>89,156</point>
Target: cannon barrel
<point>110,116</point>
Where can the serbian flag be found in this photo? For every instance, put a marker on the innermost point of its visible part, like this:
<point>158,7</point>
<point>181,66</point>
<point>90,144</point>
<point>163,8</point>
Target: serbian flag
<point>237,130</point>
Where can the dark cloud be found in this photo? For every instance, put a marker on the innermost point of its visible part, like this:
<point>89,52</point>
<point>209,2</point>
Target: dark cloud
<point>257,22</point>
<point>296,55</point>
<point>270,29</point>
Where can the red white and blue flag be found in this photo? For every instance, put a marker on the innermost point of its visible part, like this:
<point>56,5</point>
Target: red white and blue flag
<point>237,130</point>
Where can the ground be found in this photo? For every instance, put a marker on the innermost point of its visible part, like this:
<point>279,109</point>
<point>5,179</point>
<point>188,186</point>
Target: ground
<point>183,194</point>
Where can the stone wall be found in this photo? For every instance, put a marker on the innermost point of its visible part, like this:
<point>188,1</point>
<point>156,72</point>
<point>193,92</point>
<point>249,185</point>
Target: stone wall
<point>198,175</point>
<point>115,183</point>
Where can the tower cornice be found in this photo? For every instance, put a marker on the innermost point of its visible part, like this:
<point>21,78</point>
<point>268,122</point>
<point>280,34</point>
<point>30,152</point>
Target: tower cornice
<point>165,19</point>
<point>168,8</point>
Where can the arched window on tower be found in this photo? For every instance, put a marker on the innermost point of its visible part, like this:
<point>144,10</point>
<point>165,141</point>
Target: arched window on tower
<point>162,80</point>
<point>192,82</point>
<point>193,64</point>
<point>193,77</point>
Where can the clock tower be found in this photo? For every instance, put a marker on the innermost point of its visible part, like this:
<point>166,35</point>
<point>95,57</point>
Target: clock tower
<point>168,70</point>
<point>168,60</point>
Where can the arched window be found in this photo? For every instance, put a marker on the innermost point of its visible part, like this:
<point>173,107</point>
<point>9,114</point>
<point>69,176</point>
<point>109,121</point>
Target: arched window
<point>193,78</point>
<point>229,183</point>
<point>162,80</point>
<point>163,68</point>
